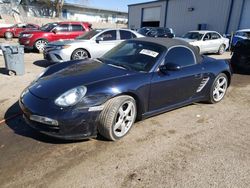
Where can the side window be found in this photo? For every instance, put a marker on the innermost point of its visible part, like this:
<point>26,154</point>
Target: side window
<point>160,31</point>
<point>30,26</point>
<point>207,36</point>
<point>63,28</point>
<point>77,27</point>
<point>109,35</point>
<point>181,56</point>
<point>126,35</point>
<point>215,36</point>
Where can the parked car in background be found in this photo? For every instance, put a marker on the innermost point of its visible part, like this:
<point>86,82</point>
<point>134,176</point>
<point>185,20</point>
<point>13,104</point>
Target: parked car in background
<point>137,79</point>
<point>207,41</point>
<point>52,32</point>
<point>240,35</point>
<point>241,56</point>
<point>15,30</point>
<point>92,44</point>
<point>157,32</point>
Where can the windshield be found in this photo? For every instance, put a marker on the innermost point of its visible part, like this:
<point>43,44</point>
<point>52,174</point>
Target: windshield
<point>144,30</point>
<point>134,55</point>
<point>49,27</point>
<point>88,35</point>
<point>193,35</point>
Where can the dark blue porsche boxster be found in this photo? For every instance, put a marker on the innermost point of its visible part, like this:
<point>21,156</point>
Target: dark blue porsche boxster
<point>137,79</point>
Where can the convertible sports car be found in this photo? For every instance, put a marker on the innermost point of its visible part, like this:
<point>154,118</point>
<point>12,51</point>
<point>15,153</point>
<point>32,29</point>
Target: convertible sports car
<point>137,79</point>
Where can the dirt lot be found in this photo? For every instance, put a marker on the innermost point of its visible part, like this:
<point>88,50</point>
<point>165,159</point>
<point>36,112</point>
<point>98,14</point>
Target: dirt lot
<point>200,145</point>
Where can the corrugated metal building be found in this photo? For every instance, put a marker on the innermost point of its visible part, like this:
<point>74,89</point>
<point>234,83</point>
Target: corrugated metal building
<point>224,16</point>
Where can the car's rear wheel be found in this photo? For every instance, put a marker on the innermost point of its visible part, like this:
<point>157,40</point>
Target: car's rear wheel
<point>221,49</point>
<point>117,117</point>
<point>219,88</point>
<point>8,35</point>
<point>40,45</point>
<point>79,54</point>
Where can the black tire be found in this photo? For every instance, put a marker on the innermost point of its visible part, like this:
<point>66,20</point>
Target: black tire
<point>110,115</point>
<point>221,49</point>
<point>212,99</point>
<point>76,53</point>
<point>8,35</point>
<point>40,41</point>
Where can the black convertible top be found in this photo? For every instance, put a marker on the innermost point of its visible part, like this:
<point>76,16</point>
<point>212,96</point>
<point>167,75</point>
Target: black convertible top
<point>168,43</point>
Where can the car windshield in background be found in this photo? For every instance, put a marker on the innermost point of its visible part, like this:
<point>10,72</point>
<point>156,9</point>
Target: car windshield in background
<point>144,30</point>
<point>49,27</point>
<point>134,55</point>
<point>193,35</point>
<point>88,35</point>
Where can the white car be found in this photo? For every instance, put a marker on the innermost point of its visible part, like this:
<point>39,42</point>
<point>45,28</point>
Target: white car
<point>207,41</point>
<point>92,44</point>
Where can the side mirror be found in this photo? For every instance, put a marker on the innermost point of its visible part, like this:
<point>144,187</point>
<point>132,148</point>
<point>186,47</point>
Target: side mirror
<point>98,39</point>
<point>169,67</point>
<point>205,39</point>
<point>54,31</point>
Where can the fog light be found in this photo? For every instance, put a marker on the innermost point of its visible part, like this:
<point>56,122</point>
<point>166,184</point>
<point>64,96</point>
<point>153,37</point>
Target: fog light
<point>44,120</point>
<point>27,42</point>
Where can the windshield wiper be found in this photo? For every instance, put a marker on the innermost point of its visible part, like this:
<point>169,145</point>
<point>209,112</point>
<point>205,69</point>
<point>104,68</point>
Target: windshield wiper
<point>120,65</point>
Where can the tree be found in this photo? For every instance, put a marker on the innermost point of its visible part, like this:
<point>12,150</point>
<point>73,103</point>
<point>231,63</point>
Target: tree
<point>54,5</point>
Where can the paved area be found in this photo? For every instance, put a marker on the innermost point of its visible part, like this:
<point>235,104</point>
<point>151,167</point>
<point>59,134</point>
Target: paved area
<point>200,145</point>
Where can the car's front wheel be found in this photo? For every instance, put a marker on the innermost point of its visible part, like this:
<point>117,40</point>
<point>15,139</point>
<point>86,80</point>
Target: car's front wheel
<point>219,88</point>
<point>8,35</point>
<point>40,45</point>
<point>117,117</point>
<point>79,54</point>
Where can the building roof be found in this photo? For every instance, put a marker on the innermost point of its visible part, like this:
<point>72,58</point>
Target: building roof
<point>168,43</point>
<point>146,3</point>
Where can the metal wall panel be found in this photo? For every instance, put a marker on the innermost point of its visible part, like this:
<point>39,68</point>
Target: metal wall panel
<point>245,17</point>
<point>185,15</point>
<point>136,13</point>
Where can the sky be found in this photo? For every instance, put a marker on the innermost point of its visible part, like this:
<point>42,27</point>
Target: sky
<point>119,5</point>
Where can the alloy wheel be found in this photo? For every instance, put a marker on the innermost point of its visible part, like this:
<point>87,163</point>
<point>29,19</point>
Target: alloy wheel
<point>41,44</point>
<point>80,54</point>
<point>124,118</point>
<point>220,88</point>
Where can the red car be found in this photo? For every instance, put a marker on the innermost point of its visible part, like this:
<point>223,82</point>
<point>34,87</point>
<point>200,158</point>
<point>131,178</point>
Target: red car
<point>15,30</point>
<point>52,32</point>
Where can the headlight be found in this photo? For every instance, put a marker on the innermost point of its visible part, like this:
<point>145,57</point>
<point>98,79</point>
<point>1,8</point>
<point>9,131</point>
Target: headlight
<point>71,97</point>
<point>61,47</point>
<point>27,35</point>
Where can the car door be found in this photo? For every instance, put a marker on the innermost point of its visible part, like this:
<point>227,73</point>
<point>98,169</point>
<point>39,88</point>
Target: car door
<point>216,41</point>
<point>207,43</point>
<point>61,32</point>
<point>175,86</point>
<point>20,28</point>
<point>76,30</point>
<point>104,42</point>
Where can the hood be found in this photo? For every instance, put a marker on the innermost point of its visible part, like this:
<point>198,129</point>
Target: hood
<point>34,31</point>
<point>67,42</point>
<point>187,40</point>
<point>7,27</point>
<point>79,74</point>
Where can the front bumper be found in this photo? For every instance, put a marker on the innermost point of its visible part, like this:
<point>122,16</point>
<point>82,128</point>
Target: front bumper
<point>26,42</point>
<point>73,123</point>
<point>56,56</point>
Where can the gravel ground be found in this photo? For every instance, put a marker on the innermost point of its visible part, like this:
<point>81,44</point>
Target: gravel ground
<point>200,145</point>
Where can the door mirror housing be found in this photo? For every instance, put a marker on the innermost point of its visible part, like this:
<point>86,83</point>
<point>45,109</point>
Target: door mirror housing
<point>98,39</point>
<point>169,67</point>
<point>54,31</point>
